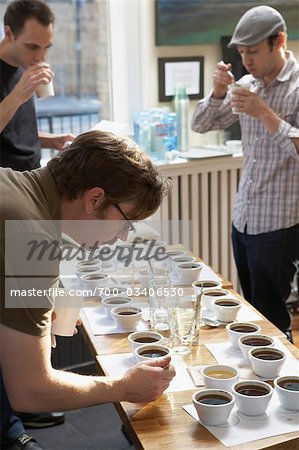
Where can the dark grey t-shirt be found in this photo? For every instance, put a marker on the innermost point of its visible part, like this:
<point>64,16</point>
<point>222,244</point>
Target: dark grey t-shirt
<point>19,142</point>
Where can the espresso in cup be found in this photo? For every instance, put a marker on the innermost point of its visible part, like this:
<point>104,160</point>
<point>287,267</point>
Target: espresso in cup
<point>228,303</point>
<point>266,362</point>
<point>150,351</point>
<point>206,284</point>
<point>287,389</point>
<point>213,406</point>
<point>146,340</point>
<point>247,342</point>
<point>252,396</point>
<point>213,399</point>
<point>240,329</point>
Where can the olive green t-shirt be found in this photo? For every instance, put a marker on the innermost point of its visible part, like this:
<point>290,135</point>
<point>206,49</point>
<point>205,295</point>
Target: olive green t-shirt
<point>30,214</point>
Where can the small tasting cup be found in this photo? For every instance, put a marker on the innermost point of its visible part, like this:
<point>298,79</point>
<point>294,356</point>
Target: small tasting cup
<point>252,405</point>
<point>205,285</point>
<point>213,414</point>
<point>95,280</point>
<point>266,368</point>
<point>175,253</point>
<point>67,310</point>
<point>253,337</point>
<point>234,88</point>
<point>45,90</point>
<point>126,317</point>
<point>219,376</point>
<point>134,341</point>
<point>113,301</point>
<point>210,295</point>
<point>188,272</point>
<point>234,334</point>
<point>88,263</point>
<point>288,396</point>
<point>84,270</point>
<point>227,313</point>
<point>155,350</point>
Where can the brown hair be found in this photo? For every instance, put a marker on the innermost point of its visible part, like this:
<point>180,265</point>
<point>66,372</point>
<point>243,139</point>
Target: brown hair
<point>19,11</point>
<point>117,165</point>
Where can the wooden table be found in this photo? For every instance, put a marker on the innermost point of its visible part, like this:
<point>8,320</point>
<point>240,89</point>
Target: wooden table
<point>163,424</point>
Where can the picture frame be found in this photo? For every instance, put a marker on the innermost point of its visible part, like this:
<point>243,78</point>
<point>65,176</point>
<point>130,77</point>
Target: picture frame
<point>185,71</point>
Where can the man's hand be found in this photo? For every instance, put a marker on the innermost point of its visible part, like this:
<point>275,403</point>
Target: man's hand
<point>147,381</point>
<point>33,77</point>
<point>222,78</point>
<point>56,141</point>
<point>247,102</point>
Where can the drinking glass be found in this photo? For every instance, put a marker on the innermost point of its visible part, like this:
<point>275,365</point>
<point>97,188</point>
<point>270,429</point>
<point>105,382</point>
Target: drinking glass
<point>161,299</point>
<point>185,324</point>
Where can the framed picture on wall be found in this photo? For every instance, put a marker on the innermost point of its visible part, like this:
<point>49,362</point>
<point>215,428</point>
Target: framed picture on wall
<point>184,71</point>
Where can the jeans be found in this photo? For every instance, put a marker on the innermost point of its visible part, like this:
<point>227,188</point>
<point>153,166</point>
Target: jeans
<point>265,268</point>
<point>11,425</point>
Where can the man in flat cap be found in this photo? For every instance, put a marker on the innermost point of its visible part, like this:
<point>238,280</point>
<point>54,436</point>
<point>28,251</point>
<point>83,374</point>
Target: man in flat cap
<point>266,212</point>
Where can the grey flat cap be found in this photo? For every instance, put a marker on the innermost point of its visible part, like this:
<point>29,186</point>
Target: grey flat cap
<point>257,24</point>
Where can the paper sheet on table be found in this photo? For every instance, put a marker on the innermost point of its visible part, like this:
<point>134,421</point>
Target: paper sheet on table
<point>280,421</point>
<point>224,353</point>
<point>101,324</point>
<point>117,364</point>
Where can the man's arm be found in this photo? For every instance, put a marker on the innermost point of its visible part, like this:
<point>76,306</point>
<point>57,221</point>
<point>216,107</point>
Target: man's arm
<point>33,385</point>
<point>23,91</point>
<point>56,141</point>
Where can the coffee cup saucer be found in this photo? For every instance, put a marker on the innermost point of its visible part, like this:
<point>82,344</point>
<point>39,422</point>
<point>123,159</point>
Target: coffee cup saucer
<point>263,416</point>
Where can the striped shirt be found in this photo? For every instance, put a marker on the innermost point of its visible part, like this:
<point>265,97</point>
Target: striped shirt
<point>268,193</point>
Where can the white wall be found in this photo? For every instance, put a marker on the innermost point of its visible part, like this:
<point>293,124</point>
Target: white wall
<point>135,61</point>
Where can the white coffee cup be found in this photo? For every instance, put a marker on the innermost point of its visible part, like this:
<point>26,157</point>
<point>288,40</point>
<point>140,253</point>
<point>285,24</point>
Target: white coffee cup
<point>126,317</point>
<point>113,301</point>
<point>213,414</point>
<point>205,285</point>
<point>247,402</point>
<point>220,376</point>
<point>266,368</point>
<point>210,295</point>
<point>95,280</point>
<point>234,331</point>
<point>188,271</point>
<point>288,396</point>
<point>87,269</point>
<point>226,309</point>
<point>139,338</point>
<point>148,352</point>
<point>236,86</point>
<point>45,90</point>
<point>249,341</point>
<point>67,310</point>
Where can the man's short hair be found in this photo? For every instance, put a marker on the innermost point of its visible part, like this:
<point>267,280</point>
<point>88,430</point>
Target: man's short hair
<point>19,11</point>
<point>117,165</point>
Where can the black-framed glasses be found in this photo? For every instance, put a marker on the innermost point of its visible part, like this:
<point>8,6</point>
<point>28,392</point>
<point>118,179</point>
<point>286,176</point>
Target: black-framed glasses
<point>130,226</point>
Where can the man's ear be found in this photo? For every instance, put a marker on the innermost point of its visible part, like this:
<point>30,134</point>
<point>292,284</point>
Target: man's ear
<point>9,36</point>
<point>93,198</point>
<point>281,40</point>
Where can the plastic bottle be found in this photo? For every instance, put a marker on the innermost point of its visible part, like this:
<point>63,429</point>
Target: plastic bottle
<point>181,106</point>
<point>171,142</point>
<point>158,134</point>
<point>142,130</point>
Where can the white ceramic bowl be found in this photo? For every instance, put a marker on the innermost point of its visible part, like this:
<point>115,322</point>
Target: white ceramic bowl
<point>150,351</point>
<point>188,272</point>
<point>266,368</point>
<point>253,337</point>
<point>207,285</point>
<point>139,338</point>
<point>126,317</point>
<point>234,331</point>
<point>289,398</point>
<point>252,405</point>
<point>95,280</point>
<point>213,414</point>
<point>220,376</point>
<point>85,270</point>
<point>208,299</point>
<point>228,311</point>
<point>113,301</point>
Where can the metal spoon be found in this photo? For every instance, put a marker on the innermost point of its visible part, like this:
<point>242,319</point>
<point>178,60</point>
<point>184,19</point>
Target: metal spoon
<point>213,323</point>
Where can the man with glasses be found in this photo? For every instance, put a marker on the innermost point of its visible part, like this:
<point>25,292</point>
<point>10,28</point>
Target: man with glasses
<point>92,192</point>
